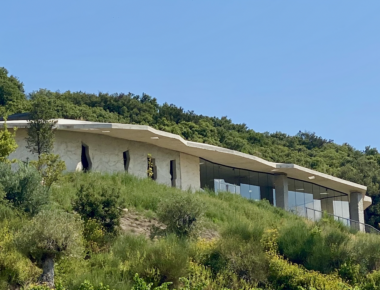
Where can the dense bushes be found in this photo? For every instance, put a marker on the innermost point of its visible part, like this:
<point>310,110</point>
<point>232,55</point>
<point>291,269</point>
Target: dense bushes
<point>14,268</point>
<point>101,203</point>
<point>181,213</point>
<point>163,261</point>
<point>322,248</point>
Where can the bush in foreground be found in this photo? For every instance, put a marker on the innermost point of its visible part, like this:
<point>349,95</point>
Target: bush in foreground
<point>101,203</point>
<point>49,236</point>
<point>181,213</point>
<point>23,188</point>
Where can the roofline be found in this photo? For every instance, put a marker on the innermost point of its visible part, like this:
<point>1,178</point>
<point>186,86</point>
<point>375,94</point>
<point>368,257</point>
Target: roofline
<point>320,174</point>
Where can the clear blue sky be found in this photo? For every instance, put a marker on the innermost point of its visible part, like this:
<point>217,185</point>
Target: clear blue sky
<point>274,65</point>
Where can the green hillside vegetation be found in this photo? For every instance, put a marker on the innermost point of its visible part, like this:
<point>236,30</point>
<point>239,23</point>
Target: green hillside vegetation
<point>259,246</point>
<point>304,148</point>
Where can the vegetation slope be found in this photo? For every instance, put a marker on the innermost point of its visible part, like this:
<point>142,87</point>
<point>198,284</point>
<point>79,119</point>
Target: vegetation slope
<point>260,246</point>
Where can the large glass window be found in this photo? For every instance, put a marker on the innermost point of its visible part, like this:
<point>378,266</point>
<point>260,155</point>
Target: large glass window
<point>249,184</point>
<point>304,198</point>
<point>310,200</point>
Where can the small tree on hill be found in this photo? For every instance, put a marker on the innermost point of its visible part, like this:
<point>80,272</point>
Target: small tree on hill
<point>7,143</point>
<point>41,126</point>
<point>23,188</point>
<point>50,167</point>
<point>49,236</point>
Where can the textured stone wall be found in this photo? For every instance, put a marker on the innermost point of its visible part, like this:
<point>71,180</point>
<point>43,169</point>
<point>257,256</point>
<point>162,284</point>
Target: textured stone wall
<point>190,172</point>
<point>106,154</point>
<point>21,152</point>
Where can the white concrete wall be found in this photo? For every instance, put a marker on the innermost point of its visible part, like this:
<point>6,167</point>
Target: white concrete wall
<point>21,152</point>
<point>106,154</point>
<point>190,172</point>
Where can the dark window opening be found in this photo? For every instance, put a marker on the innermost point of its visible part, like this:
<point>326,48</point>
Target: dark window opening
<point>173,172</point>
<point>85,158</point>
<point>126,159</point>
<point>152,168</point>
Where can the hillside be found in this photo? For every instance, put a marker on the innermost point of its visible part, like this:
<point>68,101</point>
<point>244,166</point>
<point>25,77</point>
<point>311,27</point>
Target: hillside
<point>305,148</point>
<point>249,251</point>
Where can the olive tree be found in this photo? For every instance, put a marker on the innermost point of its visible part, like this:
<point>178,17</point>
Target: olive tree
<point>23,188</point>
<point>48,236</point>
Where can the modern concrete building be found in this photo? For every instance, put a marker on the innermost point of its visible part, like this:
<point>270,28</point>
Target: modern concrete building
<point>190,165</point>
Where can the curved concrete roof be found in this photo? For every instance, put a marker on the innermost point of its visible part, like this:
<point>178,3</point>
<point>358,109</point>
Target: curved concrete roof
<point>146,134</point>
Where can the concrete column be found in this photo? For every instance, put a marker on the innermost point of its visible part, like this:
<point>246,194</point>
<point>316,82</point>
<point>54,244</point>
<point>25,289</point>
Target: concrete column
<point>327,205</point>
<point>281,189</point>
<point>357,210</point>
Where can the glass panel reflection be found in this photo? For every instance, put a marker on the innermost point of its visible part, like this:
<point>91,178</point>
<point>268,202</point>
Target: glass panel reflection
<point>304,198</point>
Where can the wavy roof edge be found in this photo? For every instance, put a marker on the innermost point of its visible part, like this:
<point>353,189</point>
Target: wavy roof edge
<point>220,155</point>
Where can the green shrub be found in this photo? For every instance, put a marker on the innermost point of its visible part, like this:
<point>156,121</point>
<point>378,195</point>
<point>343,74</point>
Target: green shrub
<point>323,248</point>
<point>39,287</point>
<point>246,259</point>
<point>51,167</point>
<point>243,230</point>
<point>101,203</point>
<point>140,284</point>
<point>350,273</point>
<point>201,277</point>
<point>6,211</point>
<point>239,252</point>
<point>23,188</point>
<point>366,251</point>
<point>371,281</point>
<point>285,275</point>
<point>58,286</point>
<point>165,260</point>
<point>14,268</point>
<point>297,241</point>
<point>86,285</point>
<point>332,252</point>
<point>181,213</point>
<point>95,236</point>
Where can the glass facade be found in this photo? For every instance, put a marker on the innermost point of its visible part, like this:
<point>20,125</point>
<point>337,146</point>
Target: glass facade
<point>249,184</point>
<point>304,198</point>
<point>310,200</point>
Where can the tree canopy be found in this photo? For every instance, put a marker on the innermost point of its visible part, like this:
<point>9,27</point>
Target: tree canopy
<point>49,236</point>
<point>11,92</point>
<point>40,138</point>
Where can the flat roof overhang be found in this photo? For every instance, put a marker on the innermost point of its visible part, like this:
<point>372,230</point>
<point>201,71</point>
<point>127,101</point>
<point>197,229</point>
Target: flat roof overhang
<point>224,156</point>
